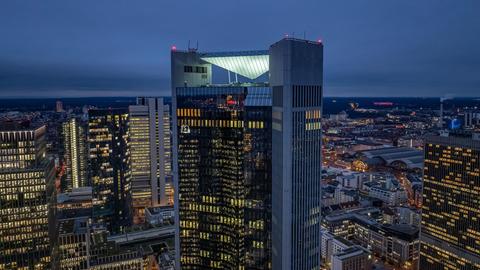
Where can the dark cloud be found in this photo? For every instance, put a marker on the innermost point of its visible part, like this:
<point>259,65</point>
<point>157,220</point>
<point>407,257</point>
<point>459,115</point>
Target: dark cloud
<point>120,47</point>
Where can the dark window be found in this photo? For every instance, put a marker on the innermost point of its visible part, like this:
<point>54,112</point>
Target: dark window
<point>307,96</point>
<point>200,70</point>
<point>278,96</point>
<point>188,69</point>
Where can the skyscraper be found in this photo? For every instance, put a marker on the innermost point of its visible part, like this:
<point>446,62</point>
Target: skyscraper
<point>75,140</point>
<point>296,77</point>
<point>450,232</point>
<point>223,157</point>
<point>108,160</point>
<point>223,162</point>
<point>150,154</point>
<point>26,186</point>
<point>59,106</point>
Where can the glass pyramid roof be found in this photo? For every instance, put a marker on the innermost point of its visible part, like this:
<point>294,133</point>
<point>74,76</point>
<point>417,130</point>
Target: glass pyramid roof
<point>250,64</point>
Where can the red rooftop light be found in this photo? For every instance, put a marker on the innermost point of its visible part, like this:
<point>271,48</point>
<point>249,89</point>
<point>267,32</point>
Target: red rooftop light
<point>174,48</point>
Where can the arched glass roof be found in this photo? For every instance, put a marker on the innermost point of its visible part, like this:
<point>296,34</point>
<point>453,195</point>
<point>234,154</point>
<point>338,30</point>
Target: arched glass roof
<point>250,64</point>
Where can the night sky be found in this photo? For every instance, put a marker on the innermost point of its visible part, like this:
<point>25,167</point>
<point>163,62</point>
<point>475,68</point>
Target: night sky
<point>68,48</point>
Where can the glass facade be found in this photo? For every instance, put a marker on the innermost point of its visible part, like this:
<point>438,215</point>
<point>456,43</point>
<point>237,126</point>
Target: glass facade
<point>109,160</point>
<point>224,179</point>
<point>451,197</point>
<point>26,186</point>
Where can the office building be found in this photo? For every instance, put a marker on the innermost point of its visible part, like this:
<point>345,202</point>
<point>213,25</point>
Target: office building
<point>352,258</point>
<point>26,187</point>
<point>222,164</point>
<point>450,233</point>
<point>75,156</point>
<point>150,155</point>
<point>296,78</point>
<point>73,243</point>
<point>109,162</point>
<point>223,158</point>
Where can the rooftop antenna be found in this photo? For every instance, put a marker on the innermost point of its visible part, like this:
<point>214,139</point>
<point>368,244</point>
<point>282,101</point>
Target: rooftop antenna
<point>190,49</point>
<point>305,35</point>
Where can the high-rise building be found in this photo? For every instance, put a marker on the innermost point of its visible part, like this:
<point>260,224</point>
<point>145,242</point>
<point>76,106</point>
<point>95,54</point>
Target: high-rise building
<point>223,157</point>
<point>450,230</point>
<point>59,106</point>
<point>75,156</point>
<point>223,135</point>
<point>109,167</point>
<point>150,155</point>
<point>26,187</point>
<point>296,78</point>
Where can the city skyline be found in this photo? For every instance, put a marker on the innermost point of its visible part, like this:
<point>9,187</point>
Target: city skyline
<point>246,135</point>
<point>60,49</point>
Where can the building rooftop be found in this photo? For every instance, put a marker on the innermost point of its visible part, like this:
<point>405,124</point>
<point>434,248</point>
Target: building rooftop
<point>412,158</point>
<point>77,195</point>
<point>250,64</point>
<point>459,140</point>
<point>352,251</point>
<point>73,225</point>
<point>259,96</point>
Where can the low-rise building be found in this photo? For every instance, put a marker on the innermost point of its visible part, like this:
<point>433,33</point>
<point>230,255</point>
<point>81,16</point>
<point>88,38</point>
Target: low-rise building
<point>390,196</point>
<point>352,258</point>
<point>396,244</point>
<point>159,215</point>
<point>353,180</point>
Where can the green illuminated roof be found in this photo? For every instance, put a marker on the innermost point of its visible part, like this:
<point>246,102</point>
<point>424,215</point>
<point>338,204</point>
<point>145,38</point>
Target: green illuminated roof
<point>250,64</point>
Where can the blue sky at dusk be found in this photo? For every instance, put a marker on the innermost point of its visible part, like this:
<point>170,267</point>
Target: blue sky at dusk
<point>59,48</point>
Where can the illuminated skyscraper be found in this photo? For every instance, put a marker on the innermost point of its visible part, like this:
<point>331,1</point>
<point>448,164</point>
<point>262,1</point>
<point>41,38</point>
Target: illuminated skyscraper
<point>26,185</point>
<point>150,155</point>
<point>450,233</point>
<point>296,78</point>
<point>108,158</point>
<point>223,157</point>
<point>223,162</point>
<point>75,140</point>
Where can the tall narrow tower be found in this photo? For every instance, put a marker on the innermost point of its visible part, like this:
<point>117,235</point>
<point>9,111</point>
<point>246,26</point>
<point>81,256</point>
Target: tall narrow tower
<point>109,161</point>
<point>150,154</point>
<point>74,139</point>
<point>296,78</point>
